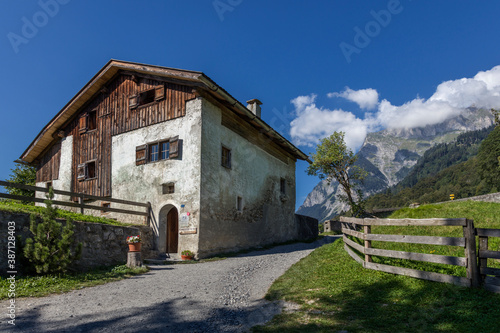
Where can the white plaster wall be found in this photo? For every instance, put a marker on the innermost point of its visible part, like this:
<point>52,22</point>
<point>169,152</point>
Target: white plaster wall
<point>143,183</point>
<point>255,176</point>
<point>63,183</point>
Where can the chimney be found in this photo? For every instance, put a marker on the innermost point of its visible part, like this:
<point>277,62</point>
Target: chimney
<point>254,106</point>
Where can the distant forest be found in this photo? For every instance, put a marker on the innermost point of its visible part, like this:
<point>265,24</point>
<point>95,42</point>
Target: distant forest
<point>466,167</point>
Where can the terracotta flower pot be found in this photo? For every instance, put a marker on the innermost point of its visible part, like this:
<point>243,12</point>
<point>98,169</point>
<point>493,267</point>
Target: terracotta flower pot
<point>134,247</point>
<point>183,257</point>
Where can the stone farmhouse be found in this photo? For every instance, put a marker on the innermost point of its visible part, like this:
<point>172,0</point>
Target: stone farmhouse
<point>217,176</point>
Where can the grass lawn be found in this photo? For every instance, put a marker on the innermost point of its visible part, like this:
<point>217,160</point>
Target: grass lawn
<point>16,207</point>
<point>29,286</point>
<point>336,294</point>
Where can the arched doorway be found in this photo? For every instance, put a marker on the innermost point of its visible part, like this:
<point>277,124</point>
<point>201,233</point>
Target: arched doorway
<point>169,229</point>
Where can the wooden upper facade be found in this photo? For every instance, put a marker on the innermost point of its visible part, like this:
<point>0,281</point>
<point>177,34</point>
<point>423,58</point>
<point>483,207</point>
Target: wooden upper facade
<point>123,97</point>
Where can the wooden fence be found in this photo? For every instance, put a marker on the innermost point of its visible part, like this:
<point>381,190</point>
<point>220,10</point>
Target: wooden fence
<point>491,283</point>
<point>146,207</point>
<point>353,227</point>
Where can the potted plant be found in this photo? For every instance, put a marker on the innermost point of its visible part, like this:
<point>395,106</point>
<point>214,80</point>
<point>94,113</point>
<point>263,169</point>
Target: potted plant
<point>187,255</point>
<point>134,243</point>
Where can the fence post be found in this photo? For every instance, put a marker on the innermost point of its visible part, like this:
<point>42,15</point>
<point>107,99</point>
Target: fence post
<point>470,252</point>
<point>483,262</point>
<point>81,199</point>
<point>368,244</point>
<point>148,211</point>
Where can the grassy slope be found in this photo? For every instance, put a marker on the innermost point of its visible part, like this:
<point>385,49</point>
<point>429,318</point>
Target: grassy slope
<point>36,286</point>
<point>336,293</point>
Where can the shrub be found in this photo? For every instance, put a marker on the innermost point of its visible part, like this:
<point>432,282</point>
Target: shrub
<point>49,250</point>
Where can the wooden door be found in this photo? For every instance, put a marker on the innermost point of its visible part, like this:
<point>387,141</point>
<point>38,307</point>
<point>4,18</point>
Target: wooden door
<point>172,230</point>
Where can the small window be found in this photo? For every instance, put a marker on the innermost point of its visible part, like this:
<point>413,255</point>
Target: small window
<point>91,171</point>
<point>226,157</point>
<point>239,204</point>
<point>86,171</point>
<point>283,186</point>
<point>48,184</point>
<point>92,120</point>
<point>105,205</point>
<point>168,188</point>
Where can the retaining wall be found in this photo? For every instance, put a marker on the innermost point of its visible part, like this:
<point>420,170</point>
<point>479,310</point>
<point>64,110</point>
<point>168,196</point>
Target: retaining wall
<point>102,244</point>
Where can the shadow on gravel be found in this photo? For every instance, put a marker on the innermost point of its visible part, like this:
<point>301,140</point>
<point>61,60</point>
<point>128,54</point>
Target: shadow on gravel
<point>289,248</point>
<point>161,318</point>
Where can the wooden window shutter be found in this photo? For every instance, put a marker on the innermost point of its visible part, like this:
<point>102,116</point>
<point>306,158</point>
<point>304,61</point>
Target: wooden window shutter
<point>174,147</point>
<point>81,171</point>
<point>140,154</point>
<point>133,102</point>
<point>159,92</point>
<point>83,123</point>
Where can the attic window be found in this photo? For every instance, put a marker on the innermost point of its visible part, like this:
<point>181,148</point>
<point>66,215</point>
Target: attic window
<point>146,97</point>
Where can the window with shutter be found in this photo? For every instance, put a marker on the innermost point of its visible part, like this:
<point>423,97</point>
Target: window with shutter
<point>133,102</point>
<point>159,92</point>
<point>81,171</point>
<point>83,123</point>
<point>140,154</point>
<point>174,147</point>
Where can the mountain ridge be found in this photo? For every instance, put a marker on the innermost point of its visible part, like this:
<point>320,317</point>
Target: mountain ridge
<point>389,155</point>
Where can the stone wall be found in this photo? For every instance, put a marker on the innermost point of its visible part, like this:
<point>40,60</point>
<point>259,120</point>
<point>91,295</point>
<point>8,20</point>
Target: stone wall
<point>102,244</point>
<point>492,197</point>
<point>307,227</point>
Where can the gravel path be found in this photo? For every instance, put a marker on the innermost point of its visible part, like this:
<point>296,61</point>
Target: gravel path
<point>219,296</point>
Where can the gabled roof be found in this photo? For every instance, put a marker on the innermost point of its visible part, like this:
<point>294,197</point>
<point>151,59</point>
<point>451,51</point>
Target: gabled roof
<point>46,136</point>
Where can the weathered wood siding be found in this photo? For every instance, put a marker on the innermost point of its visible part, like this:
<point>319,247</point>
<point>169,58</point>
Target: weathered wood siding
<point>48,168</point>
<point>114,117</point>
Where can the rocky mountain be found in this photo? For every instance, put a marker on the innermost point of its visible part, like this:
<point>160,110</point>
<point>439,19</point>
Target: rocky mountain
<point>389,155</point>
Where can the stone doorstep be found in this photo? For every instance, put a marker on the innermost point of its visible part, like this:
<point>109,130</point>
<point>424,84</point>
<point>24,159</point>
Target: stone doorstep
<point>162,259</point>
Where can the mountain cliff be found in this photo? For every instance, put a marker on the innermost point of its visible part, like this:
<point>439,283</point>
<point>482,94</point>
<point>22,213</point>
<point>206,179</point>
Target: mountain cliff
<point>389,155</point>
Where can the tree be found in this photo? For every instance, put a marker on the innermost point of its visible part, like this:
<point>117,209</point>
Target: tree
<point>333,160</point>
<point>22,174</point>
<point>49,250</point>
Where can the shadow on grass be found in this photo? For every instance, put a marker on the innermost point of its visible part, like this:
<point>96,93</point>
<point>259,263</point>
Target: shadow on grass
<point>392,306</point>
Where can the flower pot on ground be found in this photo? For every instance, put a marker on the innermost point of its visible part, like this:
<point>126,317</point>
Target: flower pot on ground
<point>134,243</point>
<point>187,255</point>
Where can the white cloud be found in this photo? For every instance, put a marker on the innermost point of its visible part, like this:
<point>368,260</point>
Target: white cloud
<point>367,99</point>
<point>450,99</point>
<point>313,123</point>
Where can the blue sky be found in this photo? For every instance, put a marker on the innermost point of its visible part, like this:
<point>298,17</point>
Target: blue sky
<point>402,61</point>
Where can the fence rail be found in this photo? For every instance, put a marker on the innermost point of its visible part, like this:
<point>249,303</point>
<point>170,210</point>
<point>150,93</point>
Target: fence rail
<point>146,207</point>
<point>353,226</point>
<point>491,283</point>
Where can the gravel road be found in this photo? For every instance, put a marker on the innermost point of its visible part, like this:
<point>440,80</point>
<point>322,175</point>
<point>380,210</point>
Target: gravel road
<point>219,296</point>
